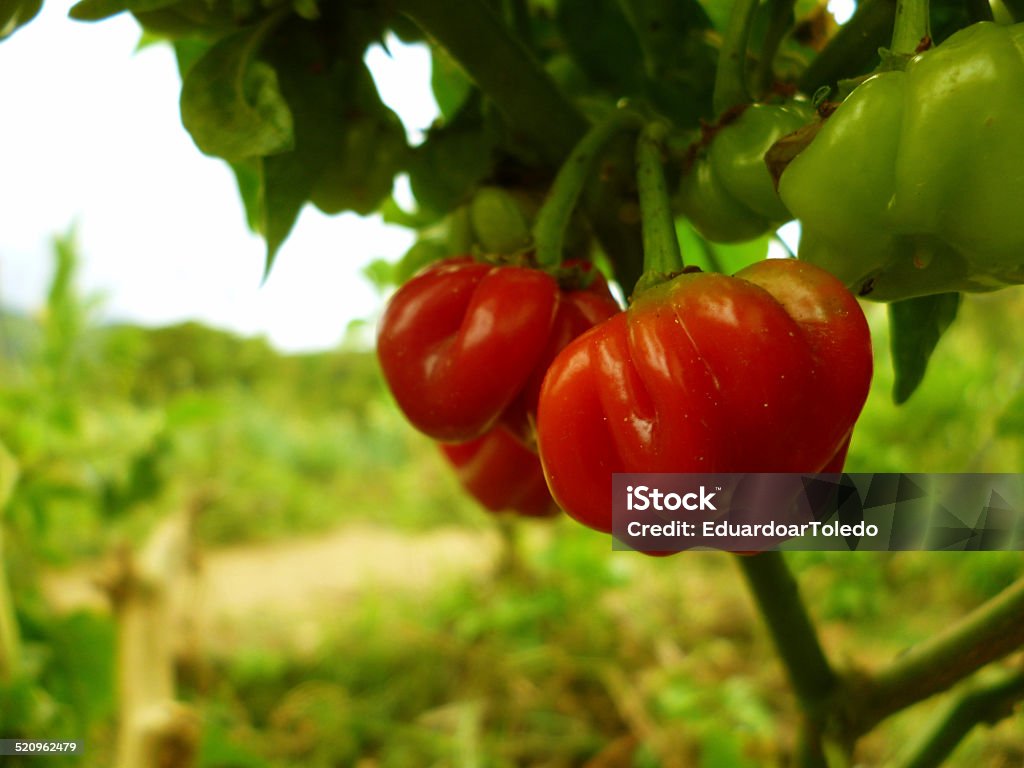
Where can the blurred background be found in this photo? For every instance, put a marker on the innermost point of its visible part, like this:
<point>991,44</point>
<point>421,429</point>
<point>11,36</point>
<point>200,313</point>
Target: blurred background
<point>211,498</point>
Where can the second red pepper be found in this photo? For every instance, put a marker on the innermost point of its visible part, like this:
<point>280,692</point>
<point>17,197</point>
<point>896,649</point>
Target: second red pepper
<point>766,371</point>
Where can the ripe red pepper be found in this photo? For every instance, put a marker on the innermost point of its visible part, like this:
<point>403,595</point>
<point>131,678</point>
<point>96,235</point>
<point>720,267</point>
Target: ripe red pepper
<point>501,474</point>
<point>766,371</point>
<point>463,342</point>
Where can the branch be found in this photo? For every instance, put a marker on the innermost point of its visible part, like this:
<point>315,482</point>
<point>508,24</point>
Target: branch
<point>986,703</point>
<point>795,638</point>
<point>990,632</point>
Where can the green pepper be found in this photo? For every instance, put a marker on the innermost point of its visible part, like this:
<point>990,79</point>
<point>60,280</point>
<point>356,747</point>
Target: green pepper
<point>915,184</point>
<point>727,191</point>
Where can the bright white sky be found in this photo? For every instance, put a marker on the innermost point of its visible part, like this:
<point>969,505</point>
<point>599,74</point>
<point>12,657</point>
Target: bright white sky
<point>91,135</point>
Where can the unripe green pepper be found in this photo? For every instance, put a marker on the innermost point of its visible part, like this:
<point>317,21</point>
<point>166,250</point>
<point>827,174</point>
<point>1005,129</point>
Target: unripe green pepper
<point>501,220</point>
<point>727,192</point>
<point>915,184</point>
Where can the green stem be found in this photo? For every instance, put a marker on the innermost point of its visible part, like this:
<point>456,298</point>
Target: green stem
<point>986,703</point>
<point>731,75</point>
<point>854,48</point>
<point>988,633</point>
<point>554,216</point>
<point>778,598</point>
<point>504,69</point>
<point>779,23</point>
<point>910,27</point>
<point>662,257</point>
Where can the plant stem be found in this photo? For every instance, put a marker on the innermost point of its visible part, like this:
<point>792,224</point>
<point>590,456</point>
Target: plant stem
<point>779,22</point>
<point>854,48</point>
<point>986,703</point>
<point>731,75</point>
<point>662,257</point>
<point>554,216</point>
<point>910,27</point>
<point>988,633</point>
<point>778,598</point>
<point>503,69</point>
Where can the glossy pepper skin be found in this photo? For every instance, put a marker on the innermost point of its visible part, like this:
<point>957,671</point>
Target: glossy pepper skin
<point>461,343</point>
<point>766,371</point>
<point>501,474</point>
<point>727,192</point>
<point>915,185</point>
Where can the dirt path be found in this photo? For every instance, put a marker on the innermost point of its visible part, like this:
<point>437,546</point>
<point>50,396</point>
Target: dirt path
<point>294,584</point>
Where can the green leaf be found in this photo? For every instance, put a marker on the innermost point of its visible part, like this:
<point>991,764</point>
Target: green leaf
<point>231,103</point>
<point>187,52</point>
<point>248,176</point>
<point>287,180</point>
<point>603,43</point>
<point>94,10</point>
<point>915,327</point>
<point>348,145</point>
<point>449,82</point>
<point>446,168</point>
<point>17,13</point>
<point>659,25</point>
<point>365,149</point>
<point>652,49</point>
<point>679,62</point>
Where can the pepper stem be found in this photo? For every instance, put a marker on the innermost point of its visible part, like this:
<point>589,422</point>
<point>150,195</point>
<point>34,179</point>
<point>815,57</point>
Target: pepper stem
<point>553,218</point>
<point>911,26</point>
<point>731,74</point>
<point>662,257</point>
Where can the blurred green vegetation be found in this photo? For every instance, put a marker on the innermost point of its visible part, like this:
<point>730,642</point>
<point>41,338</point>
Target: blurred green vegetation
<point>581,655</point>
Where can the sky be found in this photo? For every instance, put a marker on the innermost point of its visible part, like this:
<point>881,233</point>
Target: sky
<point>92,137</point>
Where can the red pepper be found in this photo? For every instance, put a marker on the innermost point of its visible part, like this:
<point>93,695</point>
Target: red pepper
<point>766,371</point>
<point>463,342</point>
<point>501,474</point>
